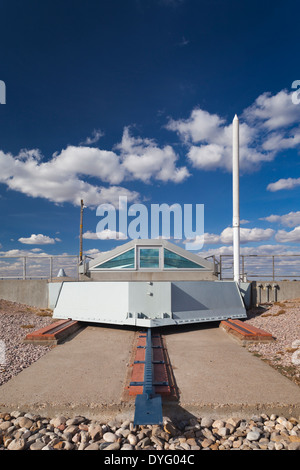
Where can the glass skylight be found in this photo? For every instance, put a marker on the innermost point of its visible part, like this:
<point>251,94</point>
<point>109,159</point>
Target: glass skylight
<point>174,261</point>
<point>123,261</point>
<point>149,258</point>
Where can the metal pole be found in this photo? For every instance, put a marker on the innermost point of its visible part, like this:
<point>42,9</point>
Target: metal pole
<point>235,200</point>
<point>51,268</point>
<point>80,231</point>
<point>24,267</point>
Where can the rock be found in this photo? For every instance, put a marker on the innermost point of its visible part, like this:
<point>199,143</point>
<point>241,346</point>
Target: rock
<point>15,414</point>
<point>5,425</point>
<point>206,422</point>
<point>68,446</point>
<point>278,446</point>
<point>58,421</point>
<point>17,444</point>
<point>144,442</point>
<point>294,446</point>
<point>93,446</point>
<point>253,435</point>
<point>208,434</point>
<point>223,431</point>
<point>132,439</point>
<point>235,422</point>
<point>206,443</point>
<point>77,420</point>
<point>237,444</point>
<point>48,447</point>
<point>157,441</point>
<point>113,446</point>
<point>37,445</point>
<point>24,422</point>
<point>95,431</point>
<point>72,429</point>
<point>218,424</point>
<point>127,447</point>
<point>109,437</point>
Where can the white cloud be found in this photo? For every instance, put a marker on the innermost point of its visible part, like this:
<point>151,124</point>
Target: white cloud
<point>273,112</point>
<point>267,127</point>
<point>22,253</point>
<point>93,252</point>
<point>144,160</point>
<point>260,250</point>
<point>96,135</point>
<point>288,237</point>
<point>59,179</point>
<point>105,234</point>
<point>288,183</point>
<point>209,141</point>
<point>65,176</point>
<point>38,239</point>
<point>200,126</point>
<point>289,220</point>
<point>246,235</point>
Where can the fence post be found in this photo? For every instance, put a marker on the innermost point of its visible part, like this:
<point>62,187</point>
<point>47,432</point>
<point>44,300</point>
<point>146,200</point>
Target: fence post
<point>24,268</point>
<point>51,267</point>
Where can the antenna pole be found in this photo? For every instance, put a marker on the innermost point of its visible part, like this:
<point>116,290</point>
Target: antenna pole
<point>80,230</point>
<point>236,203</point>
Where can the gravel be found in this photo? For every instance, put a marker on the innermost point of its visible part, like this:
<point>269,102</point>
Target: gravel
<point>16,320</point>
<point>26,431</point>
<point>282,320</point>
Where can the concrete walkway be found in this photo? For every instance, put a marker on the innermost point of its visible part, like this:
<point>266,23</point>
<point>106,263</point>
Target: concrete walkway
<point>87,374</point>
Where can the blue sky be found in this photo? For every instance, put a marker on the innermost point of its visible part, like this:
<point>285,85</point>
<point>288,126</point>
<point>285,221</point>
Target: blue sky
<point>136,97</point>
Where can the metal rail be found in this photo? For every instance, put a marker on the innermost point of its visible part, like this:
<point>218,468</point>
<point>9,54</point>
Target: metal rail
<point>268,267</point>
<point>148,405</point>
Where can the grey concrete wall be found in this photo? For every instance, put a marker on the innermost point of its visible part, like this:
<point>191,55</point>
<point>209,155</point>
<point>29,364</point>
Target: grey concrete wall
<point>277,291</point>
<point>33,292</point>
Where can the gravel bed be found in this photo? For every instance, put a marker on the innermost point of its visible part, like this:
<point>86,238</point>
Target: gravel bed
<point>16,320</point>
<point>282,320</point>
<point>25,431</point>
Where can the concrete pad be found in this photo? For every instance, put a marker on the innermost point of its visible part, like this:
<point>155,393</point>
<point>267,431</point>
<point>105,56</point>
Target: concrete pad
<point>83,376</point>
<point>87,374</point>
<point>215,375</point>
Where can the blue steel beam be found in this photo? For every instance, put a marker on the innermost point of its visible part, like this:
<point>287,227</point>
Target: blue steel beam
<point>148,405</point>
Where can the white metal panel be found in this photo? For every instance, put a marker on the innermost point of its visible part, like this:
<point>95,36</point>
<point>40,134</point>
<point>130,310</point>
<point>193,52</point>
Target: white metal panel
<point>150,304</point>
<point>93,301</point>
<point>150,299</point>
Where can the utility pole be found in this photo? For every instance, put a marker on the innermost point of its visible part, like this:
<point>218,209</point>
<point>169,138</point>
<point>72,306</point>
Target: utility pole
<point>80,231</point>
